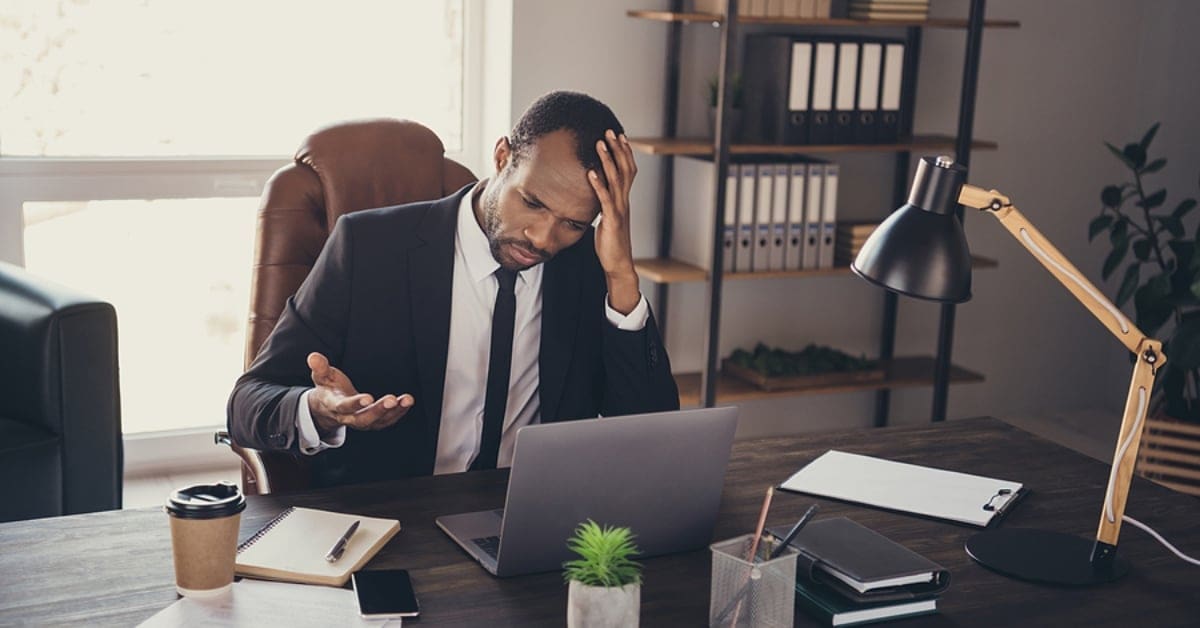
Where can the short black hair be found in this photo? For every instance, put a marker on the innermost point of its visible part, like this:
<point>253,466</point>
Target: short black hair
<point>585,117</point>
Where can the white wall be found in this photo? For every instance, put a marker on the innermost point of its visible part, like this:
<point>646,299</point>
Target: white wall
<point>1075,74</point>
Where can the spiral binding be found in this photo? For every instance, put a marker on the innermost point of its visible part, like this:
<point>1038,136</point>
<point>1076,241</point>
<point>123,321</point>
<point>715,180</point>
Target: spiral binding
<point>265,529</point>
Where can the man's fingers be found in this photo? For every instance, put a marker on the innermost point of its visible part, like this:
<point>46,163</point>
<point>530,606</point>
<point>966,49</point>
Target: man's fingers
<point>606,204</point>
<point>319,365</point>
<point>623,156</point>
<point>351,404</point>
<point>381,414</point>
<point>610,167</point>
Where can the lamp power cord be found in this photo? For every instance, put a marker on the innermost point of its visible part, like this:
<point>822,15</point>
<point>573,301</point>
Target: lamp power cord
<point>1158,537</point>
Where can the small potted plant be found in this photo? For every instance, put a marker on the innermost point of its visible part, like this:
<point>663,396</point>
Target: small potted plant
<point>605,582</point>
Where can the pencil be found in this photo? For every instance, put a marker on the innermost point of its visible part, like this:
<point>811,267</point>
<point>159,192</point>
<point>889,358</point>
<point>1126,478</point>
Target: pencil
<point>762,524</point>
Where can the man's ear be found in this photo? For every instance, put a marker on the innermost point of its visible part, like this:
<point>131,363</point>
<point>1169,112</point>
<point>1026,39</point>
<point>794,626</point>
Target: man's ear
<point>501,154</point>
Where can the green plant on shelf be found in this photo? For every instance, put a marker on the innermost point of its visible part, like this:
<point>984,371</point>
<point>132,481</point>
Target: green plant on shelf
<point>812,360</point>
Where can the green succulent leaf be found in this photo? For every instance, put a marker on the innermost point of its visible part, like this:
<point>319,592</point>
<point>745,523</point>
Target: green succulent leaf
<point>1154,200</point>
<point>1149,137</point>
<point>1098,225</point>
<point>1154,166</point>
<point>1114,259</point>
<point>1116,151</point>
<point>1141,250</point>
<point>1111,196</point>
<point>1185,206</point>
<point>1129,284</point>
<point>1136,155</point>
<point>605,556</point>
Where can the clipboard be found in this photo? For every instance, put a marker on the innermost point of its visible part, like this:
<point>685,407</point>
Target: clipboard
<point>959,497</point>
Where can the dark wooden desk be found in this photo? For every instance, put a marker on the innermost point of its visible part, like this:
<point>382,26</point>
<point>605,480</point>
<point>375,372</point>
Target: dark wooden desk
<point>115,567</point>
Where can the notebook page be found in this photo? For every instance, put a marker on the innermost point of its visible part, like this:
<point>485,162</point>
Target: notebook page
<point>911,488</point>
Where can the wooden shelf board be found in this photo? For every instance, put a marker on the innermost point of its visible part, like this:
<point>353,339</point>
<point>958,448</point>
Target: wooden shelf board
<point>905,372</point>
<point>674,271</point>
<point>701,146</point>
<point>670,16</point>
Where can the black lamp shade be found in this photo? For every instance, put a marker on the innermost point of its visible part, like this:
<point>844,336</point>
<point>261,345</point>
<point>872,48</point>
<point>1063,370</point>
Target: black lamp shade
<point>921,250</point>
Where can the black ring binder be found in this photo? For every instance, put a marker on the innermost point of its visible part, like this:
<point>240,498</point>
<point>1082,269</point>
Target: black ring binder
<point>265,529</point>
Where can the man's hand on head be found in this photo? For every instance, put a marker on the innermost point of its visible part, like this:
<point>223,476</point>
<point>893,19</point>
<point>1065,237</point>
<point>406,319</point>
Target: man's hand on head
<point>335,402</point>
<point>614,245</point>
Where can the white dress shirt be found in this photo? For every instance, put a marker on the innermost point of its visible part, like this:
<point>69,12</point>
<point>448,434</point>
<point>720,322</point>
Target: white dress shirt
<point>473,297</point>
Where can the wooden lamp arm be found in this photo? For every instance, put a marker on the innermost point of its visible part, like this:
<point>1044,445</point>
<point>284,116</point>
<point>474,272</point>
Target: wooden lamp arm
<point>1147,350</point>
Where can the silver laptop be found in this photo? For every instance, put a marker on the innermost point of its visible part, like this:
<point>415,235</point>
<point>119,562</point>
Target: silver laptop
<point>659,474</point>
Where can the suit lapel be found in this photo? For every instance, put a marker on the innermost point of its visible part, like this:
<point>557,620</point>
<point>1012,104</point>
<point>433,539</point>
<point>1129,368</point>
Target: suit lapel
<point>560,318</point>
<point>430,276</point>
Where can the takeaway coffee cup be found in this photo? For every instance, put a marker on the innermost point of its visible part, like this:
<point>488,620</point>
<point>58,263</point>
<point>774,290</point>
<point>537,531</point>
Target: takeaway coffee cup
<point>204,530</point>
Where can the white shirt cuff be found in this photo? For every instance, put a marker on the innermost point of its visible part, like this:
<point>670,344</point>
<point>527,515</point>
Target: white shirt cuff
<point>634,321</point>
<point>310,440</point>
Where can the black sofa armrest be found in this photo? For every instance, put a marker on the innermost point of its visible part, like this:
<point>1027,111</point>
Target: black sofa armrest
<point>59,373</point>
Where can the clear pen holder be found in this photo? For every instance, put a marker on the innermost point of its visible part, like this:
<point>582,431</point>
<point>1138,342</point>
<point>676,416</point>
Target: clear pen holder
<point>760,594</point>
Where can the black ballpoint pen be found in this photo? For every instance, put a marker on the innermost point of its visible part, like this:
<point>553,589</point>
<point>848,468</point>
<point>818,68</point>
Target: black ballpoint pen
<point>339,548</point>
<point>791,535</point>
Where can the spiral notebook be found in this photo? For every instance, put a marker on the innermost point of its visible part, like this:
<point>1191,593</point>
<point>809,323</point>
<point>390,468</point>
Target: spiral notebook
<point>292,546</point>
<point>962,497</point>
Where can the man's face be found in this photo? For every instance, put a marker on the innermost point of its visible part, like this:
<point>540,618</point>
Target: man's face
<point>536,208</point>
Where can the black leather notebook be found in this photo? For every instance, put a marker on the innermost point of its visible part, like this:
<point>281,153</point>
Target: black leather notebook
<point>862,564</point>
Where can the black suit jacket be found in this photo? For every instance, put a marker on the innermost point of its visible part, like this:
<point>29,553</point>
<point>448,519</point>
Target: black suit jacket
<point>377,304</point>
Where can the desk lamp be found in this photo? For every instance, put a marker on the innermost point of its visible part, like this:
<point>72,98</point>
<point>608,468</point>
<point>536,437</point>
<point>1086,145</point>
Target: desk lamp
<point>921,251</point>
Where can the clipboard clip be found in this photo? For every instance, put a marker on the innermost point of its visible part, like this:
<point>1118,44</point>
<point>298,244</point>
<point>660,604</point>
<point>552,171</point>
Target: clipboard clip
<point>1002,495</point>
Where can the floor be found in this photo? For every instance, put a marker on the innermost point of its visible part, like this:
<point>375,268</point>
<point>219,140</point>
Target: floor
<point>1092,433</point>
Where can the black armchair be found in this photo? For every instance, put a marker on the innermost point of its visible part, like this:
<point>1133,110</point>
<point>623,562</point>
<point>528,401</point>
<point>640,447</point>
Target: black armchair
<point>60,412</point>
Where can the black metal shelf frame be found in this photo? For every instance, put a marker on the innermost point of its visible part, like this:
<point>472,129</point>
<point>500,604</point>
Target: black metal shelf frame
<point>728,65</point>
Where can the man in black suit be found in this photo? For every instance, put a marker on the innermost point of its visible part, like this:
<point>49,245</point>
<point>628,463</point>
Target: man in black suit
<point>428,333</point>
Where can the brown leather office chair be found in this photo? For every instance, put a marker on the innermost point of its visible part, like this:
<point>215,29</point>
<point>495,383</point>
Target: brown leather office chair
<point>339,169</point>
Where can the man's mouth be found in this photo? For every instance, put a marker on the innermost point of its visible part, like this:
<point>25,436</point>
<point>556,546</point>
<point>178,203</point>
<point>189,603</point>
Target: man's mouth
<point>523,256</point>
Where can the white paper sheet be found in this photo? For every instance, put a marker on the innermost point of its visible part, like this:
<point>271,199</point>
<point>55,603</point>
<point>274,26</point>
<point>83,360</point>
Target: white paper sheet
<point>910,488</point>
<point>261,603</point>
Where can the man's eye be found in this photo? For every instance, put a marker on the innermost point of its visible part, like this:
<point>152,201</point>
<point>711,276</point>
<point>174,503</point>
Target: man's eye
<point>577,226</point>
<point>530,204</point>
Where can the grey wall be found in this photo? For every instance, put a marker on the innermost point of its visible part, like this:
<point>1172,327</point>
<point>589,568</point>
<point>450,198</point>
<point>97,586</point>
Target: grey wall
<point>1075,74</point>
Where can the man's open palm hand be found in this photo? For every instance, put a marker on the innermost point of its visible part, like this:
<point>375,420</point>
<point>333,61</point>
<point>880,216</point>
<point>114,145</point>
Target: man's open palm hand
<point>335,402</point>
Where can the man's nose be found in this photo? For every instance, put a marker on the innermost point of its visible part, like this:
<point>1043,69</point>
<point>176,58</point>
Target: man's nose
<point>540,233</point>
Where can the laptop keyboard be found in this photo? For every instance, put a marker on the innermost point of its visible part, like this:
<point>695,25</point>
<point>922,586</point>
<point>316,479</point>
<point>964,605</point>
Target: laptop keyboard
<point>489,544</point>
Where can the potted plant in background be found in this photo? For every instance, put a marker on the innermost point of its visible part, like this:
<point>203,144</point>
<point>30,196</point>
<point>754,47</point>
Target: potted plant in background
<point>605,582</point>
<point>735,111</point>
<point>1162,276</point>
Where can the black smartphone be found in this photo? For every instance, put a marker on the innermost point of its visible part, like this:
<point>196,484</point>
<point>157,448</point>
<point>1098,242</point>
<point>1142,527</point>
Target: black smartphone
<point>385,593</point>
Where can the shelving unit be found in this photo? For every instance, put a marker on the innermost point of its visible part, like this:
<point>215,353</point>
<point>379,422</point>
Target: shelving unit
<point>710,386</point>
<point>669,271</point>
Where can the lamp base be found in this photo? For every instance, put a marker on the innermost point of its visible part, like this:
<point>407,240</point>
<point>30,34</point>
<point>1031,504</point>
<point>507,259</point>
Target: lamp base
<point>1043,556</point>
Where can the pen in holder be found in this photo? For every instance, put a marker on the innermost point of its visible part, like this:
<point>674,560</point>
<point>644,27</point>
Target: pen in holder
<point>760,593</point>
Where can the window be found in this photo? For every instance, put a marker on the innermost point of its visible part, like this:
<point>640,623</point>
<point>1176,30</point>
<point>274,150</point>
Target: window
<point>221,77</point>
<point>136,135</point>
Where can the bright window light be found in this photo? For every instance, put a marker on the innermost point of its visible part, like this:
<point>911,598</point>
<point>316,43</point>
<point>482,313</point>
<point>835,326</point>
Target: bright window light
<point>178,273</point>
<point>124,78</point>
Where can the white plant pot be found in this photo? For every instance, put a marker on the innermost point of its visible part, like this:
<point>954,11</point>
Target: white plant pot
<point>603,607</point>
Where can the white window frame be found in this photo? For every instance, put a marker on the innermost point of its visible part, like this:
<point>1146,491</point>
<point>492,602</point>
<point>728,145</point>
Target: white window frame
<point>31,179</point>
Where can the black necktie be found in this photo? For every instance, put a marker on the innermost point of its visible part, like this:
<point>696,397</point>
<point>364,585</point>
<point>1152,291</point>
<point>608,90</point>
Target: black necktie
<point>504,317</point>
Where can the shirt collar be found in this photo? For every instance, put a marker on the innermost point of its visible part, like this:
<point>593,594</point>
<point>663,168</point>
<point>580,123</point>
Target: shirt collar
<point>473,245</point>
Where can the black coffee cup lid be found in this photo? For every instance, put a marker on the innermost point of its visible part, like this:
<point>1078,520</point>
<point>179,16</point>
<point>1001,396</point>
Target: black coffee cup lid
<point>206,501</point>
